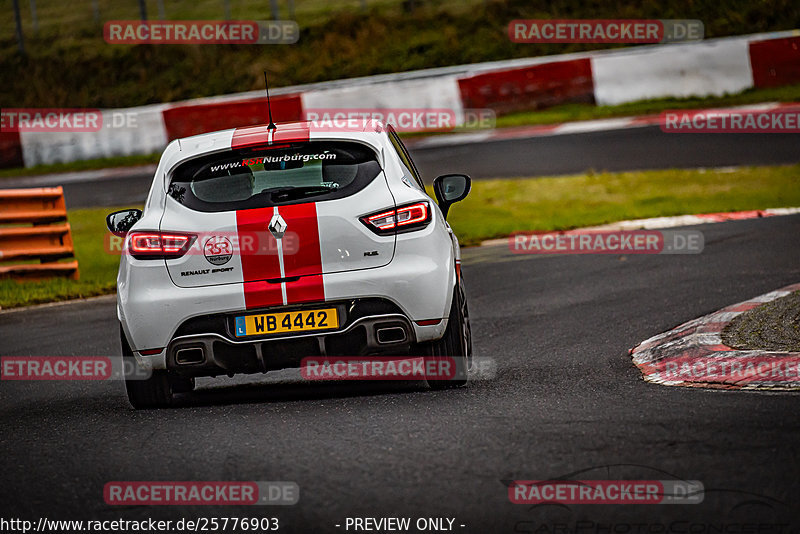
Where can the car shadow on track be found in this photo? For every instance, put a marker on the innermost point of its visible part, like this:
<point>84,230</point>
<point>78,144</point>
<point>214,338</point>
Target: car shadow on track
<point>89,400</point>
<point>291,391</point>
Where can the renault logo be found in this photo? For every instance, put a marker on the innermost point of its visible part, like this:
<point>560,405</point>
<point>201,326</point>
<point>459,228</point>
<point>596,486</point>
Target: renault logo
<point>277,226</point>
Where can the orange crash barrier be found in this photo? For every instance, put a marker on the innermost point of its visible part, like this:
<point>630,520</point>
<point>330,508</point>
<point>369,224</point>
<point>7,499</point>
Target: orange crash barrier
<point>35,234</point>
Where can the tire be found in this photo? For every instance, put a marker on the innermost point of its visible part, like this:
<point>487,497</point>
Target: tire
<point>154,392</point>
<point>456,343</point>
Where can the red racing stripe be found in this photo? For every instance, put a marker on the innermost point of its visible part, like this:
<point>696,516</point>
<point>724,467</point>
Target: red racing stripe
<point>260,260</point>
<point>304,258</point>
<point>251,137</point>
<point>258,136</point>
<point>262,294</point>
<point>301,256</point>
<point>291,133</point>
<point>306,289</point>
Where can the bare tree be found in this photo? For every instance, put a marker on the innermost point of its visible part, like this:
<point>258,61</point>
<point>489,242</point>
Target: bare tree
<point>18,20</point>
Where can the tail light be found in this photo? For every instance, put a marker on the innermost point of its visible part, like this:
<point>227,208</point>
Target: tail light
<point>402,219</point>
<point>159,245</point>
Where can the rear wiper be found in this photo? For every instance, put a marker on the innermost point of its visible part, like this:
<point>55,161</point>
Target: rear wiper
<point>292,193</point>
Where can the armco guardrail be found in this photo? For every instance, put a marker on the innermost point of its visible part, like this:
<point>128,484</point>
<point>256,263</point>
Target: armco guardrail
<point>47,240</point>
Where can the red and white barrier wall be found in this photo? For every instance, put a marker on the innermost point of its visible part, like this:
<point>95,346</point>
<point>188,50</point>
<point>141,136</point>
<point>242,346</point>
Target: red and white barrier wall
<point>704,68</point>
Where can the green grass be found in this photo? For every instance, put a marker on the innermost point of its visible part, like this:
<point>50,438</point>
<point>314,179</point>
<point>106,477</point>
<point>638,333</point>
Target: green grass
<point>98,269</point>
<point>495,208</point>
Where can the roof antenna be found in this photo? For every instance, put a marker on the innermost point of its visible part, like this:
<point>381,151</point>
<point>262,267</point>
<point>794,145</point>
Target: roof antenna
<point>271,125</point>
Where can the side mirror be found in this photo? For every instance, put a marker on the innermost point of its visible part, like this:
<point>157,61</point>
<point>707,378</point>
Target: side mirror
<point>451,188</point>
<point>121,221</point>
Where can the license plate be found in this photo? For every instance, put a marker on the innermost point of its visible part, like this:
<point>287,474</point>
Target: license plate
<point>293,321</point>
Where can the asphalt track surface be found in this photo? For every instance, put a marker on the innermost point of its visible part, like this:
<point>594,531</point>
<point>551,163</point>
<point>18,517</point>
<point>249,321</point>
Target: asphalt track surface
<point>566,401</point>
<point>615,150</point>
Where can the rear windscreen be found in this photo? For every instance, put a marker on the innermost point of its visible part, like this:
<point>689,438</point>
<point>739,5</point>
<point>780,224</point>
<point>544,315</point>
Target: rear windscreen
<point>243,179</point>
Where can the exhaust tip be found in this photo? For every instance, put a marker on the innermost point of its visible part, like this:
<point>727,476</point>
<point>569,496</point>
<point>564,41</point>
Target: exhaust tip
<point>190,356</point>
<point>390,334</point>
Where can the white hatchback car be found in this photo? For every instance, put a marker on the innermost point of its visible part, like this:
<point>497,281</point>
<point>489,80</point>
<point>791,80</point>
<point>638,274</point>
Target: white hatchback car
<point>259,247</point>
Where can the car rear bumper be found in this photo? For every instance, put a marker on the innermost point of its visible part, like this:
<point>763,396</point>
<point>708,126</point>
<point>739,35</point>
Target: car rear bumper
<point>215,354</point>
<point>154,314</point>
